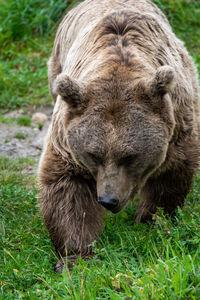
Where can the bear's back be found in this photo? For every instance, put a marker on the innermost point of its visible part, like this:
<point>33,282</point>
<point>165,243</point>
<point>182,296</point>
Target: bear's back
<point>90,34</point>
<point>79,28</point>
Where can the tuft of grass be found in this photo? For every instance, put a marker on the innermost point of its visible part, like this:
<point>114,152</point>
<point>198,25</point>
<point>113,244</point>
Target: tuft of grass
<point>7,120</point>
<point>24,121</point>
<point>40,126</point>
<point>6,140</point>
<point>20,135</point>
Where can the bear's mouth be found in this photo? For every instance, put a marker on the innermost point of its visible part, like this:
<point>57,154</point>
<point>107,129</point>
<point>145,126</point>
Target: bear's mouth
<point>116,210</point>
<point>124,203</point>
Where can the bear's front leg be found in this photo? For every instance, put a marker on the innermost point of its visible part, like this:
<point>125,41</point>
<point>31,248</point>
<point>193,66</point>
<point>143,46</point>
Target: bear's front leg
<point>70,210</point>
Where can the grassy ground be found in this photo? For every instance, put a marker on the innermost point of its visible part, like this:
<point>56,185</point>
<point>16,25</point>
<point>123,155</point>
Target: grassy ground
<point>132,261</point>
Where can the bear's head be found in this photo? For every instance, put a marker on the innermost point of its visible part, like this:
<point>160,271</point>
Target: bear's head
<point>119,131</point>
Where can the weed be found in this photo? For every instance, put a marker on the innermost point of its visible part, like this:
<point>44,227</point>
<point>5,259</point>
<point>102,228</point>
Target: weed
<point>20,135</point>
<point>40,126</point>
<point>6,140</point>
<point>24,121</point>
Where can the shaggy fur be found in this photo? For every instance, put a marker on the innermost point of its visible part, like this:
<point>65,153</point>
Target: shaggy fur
<point>126,119</point>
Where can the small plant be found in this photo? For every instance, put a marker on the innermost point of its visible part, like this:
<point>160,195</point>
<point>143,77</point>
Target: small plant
<point>7,120</point>
<point>6,141</point>
<point>40,126</point>
<point>20,135</point>
<point>24,121</point>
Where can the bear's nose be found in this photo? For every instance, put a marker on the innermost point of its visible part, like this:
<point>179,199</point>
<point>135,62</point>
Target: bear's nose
<point>108,201</point>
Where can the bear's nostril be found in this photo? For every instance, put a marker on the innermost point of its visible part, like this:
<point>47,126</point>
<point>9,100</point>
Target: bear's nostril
<point>108,201</point>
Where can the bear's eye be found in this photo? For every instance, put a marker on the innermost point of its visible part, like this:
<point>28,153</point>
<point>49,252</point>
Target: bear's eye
<point>127,160</point>
<point>95,159</point>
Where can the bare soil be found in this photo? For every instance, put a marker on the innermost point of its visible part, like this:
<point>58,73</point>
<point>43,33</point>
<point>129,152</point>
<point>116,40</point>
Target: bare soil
<point>22,141</point>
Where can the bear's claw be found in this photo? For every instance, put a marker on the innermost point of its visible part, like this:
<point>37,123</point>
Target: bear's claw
<point>63,262</point>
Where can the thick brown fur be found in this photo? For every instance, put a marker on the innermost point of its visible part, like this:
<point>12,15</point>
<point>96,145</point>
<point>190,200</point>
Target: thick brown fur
<point>126,119</point>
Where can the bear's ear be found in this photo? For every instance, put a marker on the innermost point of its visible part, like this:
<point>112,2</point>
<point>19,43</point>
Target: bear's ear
<point>69,90</point>
<point>162,82</point>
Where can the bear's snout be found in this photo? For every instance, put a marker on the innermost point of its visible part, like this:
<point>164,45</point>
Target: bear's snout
<point>109,202</point>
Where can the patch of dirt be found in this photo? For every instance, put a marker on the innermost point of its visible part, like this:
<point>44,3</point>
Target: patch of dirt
<point>21,141</point>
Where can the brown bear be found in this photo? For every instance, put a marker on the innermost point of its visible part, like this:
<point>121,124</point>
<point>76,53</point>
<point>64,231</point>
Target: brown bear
<point>125,121</point>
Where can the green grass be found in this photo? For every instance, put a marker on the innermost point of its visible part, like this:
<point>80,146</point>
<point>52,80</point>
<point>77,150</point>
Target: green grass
<point>22,18</point>
<point>132,261</point>
<point>12,171</point>
<point>40,126</point>
<point>23,74</point>
<point>184,16</point>
<point>20,135</point>
<point>24,121</point>
<point>7,120</point>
